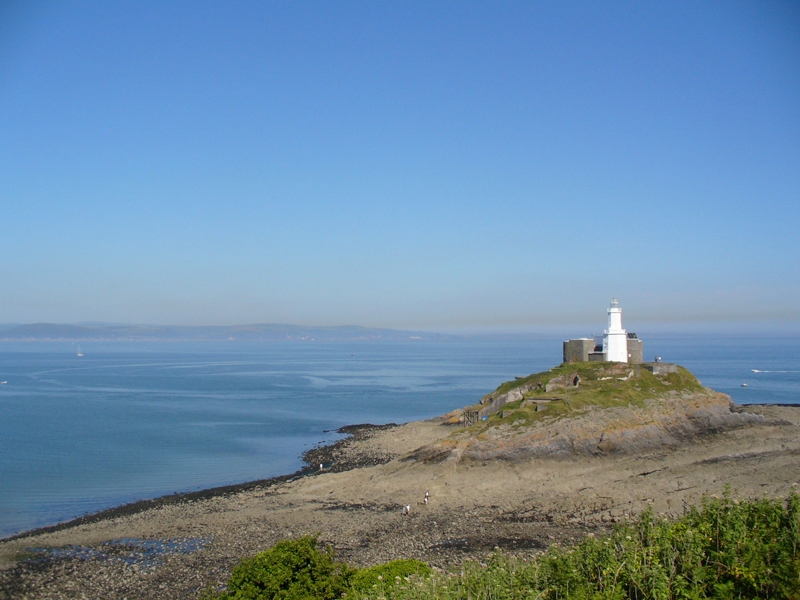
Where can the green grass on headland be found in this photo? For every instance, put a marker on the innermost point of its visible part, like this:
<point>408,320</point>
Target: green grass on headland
<point>593,377</point>
<point>723,549</point>
<point>601,384</point>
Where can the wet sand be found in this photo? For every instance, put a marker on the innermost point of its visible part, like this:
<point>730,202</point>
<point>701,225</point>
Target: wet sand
<point>178,546</point>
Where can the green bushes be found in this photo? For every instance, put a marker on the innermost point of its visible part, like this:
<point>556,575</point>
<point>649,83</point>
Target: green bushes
<point>722,549</point>
<point>384,578</point>
<point>290,570</point>
<point>299,570</point>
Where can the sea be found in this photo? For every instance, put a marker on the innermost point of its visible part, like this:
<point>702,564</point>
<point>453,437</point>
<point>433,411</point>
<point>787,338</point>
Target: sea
<point>135,420</point>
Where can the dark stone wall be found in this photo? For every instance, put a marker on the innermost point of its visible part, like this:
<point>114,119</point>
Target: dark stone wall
<point>582,350</point>
<point>577,350</point>
<point>635,351</point>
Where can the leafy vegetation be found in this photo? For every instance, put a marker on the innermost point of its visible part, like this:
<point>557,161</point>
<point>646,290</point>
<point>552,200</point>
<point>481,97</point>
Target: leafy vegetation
<point>382,579</point>
<point>290,570</point>
<point>299,570</point>
<point>723,549</point>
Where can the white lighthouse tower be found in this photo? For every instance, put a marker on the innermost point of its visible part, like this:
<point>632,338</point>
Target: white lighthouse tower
<point>615,339</point>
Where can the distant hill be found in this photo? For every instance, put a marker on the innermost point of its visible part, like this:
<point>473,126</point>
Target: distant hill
<point>263,331</point>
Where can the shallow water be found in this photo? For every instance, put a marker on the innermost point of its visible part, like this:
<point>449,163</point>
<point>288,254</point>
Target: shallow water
<point>144,554</point>
<point>129,421</point>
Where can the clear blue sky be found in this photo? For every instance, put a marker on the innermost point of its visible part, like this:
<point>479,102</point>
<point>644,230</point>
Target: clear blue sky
<point>427,165</point>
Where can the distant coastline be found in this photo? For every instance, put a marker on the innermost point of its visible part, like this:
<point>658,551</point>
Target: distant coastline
<point>252,332</point>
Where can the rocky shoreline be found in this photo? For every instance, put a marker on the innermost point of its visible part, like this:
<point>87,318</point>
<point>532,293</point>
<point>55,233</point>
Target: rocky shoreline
<point>349,452</point>
<point>336,456</point>
<point>176,547</point>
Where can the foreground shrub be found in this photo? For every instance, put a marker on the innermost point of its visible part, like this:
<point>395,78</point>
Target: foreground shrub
<point>290,570</point>
<point>724,549</point>
<point>385,577</point>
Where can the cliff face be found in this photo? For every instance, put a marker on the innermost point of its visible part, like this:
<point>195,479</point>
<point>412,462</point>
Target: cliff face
<point>601,410</point>
<point>670,421</point>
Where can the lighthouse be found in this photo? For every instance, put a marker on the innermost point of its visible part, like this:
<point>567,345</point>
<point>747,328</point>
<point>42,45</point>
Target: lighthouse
<point>617,345</point>
<point>615,338</point>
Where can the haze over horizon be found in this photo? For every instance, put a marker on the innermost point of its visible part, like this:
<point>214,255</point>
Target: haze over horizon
<point>433,166</point>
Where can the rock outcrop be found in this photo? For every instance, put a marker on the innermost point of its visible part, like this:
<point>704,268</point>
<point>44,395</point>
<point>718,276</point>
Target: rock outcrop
<point>677,411</point>
<point>664,422</point>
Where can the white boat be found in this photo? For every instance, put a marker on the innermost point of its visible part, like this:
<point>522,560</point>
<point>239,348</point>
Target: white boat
<point>3,382</point>
<point>744,385</point>
<point>79,351</point>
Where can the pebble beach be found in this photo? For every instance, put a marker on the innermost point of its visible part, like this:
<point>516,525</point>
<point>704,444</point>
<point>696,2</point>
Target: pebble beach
<point>177,547</point>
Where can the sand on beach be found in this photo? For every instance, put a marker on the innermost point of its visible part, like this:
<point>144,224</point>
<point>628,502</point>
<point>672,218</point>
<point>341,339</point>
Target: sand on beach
<point>473,507</point>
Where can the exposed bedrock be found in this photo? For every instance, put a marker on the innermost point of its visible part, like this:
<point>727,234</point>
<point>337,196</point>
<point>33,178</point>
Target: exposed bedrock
<point>669,421</point>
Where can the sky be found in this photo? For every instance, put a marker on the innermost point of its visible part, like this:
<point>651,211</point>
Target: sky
<point>430,165</point>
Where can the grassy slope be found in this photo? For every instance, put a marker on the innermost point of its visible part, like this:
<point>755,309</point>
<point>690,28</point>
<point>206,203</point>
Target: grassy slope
<point>601,384</point>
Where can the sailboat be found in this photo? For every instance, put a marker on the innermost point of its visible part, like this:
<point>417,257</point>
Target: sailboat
<point>79,351</point>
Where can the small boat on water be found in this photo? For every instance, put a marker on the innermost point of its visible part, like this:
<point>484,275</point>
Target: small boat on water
<point>3,382</point>
<point>79,351</point>
<point>744,385</point>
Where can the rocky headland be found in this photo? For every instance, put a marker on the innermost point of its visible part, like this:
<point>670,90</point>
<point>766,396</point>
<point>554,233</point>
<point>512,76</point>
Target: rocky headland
<point>541,460</point>
<point>587,409</point>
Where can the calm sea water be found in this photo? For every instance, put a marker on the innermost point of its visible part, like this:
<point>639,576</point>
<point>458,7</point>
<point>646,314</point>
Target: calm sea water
<point>129,421</point>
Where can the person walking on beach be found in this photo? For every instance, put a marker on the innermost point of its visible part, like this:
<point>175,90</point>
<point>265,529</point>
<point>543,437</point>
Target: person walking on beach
<point>426,498</point>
